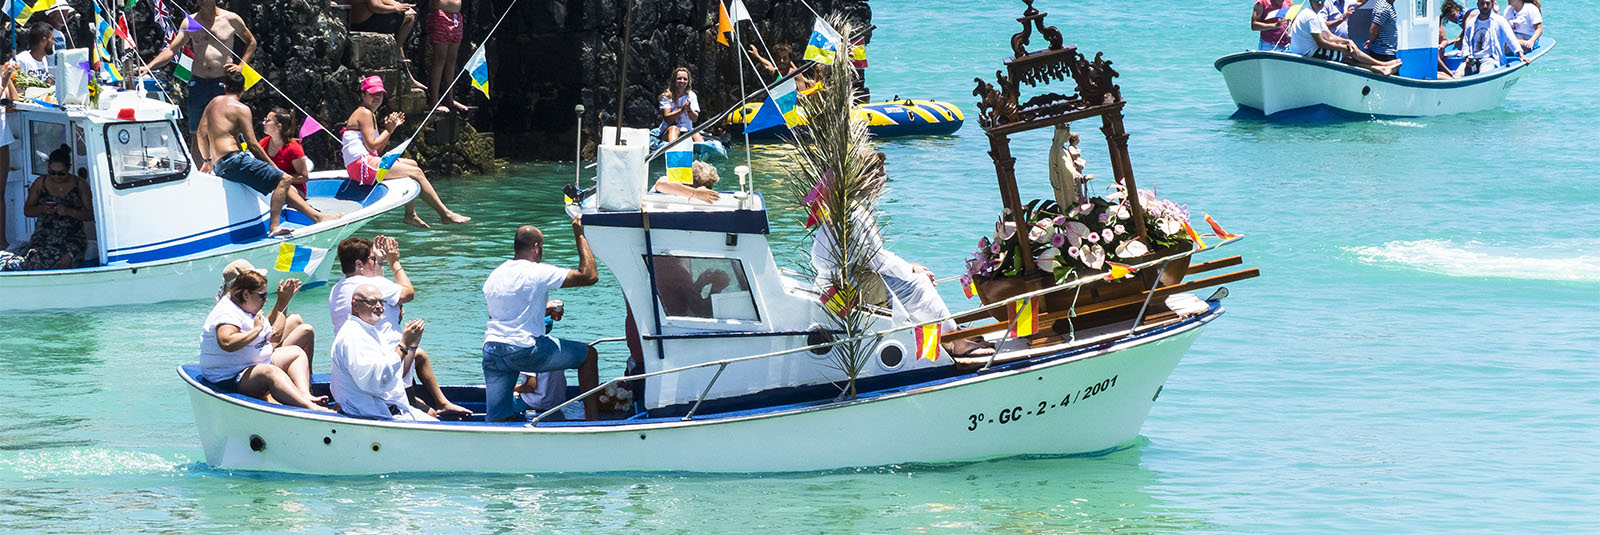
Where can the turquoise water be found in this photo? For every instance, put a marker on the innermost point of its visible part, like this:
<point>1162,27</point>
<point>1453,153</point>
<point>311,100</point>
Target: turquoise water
<point>1419,356</point>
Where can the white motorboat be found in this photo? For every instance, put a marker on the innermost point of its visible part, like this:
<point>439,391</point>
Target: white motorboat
<point>1279,86</point>
<point>741,374</point>
<point>162,230</point>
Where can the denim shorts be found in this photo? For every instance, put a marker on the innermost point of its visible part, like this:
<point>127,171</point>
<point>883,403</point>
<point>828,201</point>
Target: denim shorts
<point>503,365</point>
<point>239,166</point>
<point>201,91</point>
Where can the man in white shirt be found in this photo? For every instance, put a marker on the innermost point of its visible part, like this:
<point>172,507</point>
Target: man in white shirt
<point>33,61</point>
<point>515,341</point>
<point>362,263</point>
<point>1485,40</point>
<point>369,362</point>
<point>1309,32</point>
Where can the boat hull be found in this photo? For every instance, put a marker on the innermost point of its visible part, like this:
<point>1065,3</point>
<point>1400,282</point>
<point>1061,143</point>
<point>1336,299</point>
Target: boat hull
<point>1088,401</point>
<point>194,276</point>
<point>1279,86</point>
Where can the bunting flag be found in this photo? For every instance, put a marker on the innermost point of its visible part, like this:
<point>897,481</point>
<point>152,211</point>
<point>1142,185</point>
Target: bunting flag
<point>189,24</point>
<point>778,109</point>
<point>14,8</point>
<point>839,301</point>
<point>1287,13</point>
<point>1218,229</point>
<point>310,126</point>
<point>129,5</point>
<point>738,12</point>
<point>680,163</point>
<point>858,54</point>
<point>298,258</point>
<point>122,30</point>
<point>724,26</point>
<point>478,67</point>
<point>968,286</point>
<point>1118,271</point>
<point>824,44</point>
<point>164,20</point>
<point>1193,236</point>
<point>389,158</point>
<point>184,66</point>
<point>251,77</point>
<point>22,11</point>
<point>928,341</point>
<point>815,213</point>
<point>1024,318</point>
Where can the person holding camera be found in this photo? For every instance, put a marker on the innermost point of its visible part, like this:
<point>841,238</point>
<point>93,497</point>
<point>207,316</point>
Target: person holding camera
<point>60,201</point>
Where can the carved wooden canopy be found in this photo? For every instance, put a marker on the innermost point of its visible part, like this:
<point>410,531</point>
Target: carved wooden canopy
<point>998,105</point>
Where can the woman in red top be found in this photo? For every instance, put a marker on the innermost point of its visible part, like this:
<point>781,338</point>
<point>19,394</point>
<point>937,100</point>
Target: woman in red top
<point>290,158</point>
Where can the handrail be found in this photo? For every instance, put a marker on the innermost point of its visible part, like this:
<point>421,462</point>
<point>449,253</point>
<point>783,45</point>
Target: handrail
<point>723,364</point>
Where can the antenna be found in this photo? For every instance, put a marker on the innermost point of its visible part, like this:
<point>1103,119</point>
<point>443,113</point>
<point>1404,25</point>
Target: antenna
<point>622,79</point>
<point>577,160</point>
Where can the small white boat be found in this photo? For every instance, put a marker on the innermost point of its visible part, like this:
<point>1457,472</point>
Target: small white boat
<point>162,230</point>
<point>740,362</point>
<point>1279,86</point>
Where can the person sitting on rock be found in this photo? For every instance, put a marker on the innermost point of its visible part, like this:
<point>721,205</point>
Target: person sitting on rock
<point>390,17</point>
<point>705,177</point>
<point>781,65</point>
<point>680,106</point>
<point>362,143</point>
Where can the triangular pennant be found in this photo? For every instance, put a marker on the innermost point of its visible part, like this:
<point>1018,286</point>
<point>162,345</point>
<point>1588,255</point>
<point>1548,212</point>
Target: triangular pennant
<point>1218,229</point>
<point>478,68</point>
<point>1193,236</point>
<point>310,126</point>
<point>738,12</point>
<point>767,116</point>
<point>251,77</point>
<point>724,26</point>
<point>389,158</point>
<point>191,25</point>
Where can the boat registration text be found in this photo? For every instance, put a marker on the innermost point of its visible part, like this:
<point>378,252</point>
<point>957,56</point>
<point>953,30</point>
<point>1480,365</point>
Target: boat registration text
<point>1016,413</point>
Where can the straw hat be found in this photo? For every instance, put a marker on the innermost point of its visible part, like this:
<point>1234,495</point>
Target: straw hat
<point>237,268</point>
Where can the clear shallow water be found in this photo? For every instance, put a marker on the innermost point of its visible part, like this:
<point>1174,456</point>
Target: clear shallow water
<point>1419,355</point>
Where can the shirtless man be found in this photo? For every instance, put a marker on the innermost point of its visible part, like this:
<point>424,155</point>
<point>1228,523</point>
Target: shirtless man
<point>391,17</point>
<point>224,121</point>
<point>213,58</point>
<point>781,65</point>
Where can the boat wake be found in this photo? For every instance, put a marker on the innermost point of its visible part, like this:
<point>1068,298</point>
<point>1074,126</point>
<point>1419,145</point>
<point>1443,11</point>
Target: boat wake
<point>86,462</point>
<point>1558,262</point>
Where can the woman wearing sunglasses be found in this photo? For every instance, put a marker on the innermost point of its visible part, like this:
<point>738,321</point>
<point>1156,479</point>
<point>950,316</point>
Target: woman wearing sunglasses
<point>60,202</point>
<point>236,351</point>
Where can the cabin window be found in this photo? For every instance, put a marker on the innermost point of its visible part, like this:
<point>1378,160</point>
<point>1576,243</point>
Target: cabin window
<point>44,138</point>
<point>141,154</point>
<point>1422,10</point>
<point>704,288</point>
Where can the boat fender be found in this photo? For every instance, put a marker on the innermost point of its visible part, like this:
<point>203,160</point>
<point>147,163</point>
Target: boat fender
<point>257,444</point>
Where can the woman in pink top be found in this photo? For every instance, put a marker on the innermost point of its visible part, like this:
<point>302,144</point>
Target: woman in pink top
<point>1274,29</point>
<point>362,142</point>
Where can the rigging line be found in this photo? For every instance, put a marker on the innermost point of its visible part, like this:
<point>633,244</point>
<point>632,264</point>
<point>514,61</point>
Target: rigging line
<point>159,84</point>
<point>739,50</point>
<point>242,63</point>
<point>457,77</point>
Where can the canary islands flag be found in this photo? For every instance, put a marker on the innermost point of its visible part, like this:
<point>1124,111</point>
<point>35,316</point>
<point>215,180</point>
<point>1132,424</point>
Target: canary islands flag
<point>1024,317</point>
<point>680,163</point>
<point>824,44</point>
<point>928,341</point>
<point>21,10</point>
<point>1287,13</point>
<point>298,258</point>
<point>780,108</point>
<point>389,158</point>
<point>478,67</point>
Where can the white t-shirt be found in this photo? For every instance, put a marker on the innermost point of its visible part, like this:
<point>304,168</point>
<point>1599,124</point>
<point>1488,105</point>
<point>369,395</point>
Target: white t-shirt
<point>366,373</point>
<point>1487,39</point>
<point>1523,22</point>
<point>36,68</point>
<point>218,365</point>
<point>339,299</point>
<point>1306,24</point>
<point>517,292</point>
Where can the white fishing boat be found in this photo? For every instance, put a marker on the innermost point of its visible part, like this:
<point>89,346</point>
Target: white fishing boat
<point>1280,86</point>
<point>162,229</point>
<point>743,375</point>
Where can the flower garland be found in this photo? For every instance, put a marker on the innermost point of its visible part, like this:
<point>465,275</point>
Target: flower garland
<point>1080,238</point>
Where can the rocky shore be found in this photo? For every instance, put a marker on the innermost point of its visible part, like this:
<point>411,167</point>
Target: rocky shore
<point>547,57</point>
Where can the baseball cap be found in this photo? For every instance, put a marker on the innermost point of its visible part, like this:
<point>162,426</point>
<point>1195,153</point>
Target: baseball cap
<point>372,85</point>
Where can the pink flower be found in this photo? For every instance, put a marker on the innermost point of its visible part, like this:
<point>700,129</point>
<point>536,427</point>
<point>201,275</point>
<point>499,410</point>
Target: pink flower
<point>1106,235</point>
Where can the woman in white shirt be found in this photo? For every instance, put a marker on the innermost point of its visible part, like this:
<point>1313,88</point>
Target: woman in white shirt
<point>236,351</point>
<point>1527,21</point>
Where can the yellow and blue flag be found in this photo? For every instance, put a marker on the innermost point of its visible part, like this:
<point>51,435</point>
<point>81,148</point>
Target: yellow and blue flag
<point>780,108</point>
<point>928,341</point>
<point>1286,13</point>
<point>824,44</point>
<point>389,158</point>
<point>22,11</point>
<point>680,163</point>
<point>298,258</point>
<point>478,67</point>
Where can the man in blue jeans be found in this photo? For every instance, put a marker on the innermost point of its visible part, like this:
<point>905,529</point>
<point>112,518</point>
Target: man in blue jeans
<point>515,340</point>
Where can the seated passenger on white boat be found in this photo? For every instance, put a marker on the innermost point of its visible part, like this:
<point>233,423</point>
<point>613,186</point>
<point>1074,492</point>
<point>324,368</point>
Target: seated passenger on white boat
<point>362,263</point>
<point>236,352</point>
<point>224,122</point>
<point>1527,22</point>
<point>514,339</point>
<point>60,202</point>
<point>370,360</point>
<point>1486,40</point>
<point>911,283</point>
<point>705,178</point>
<point>287,329</point>
<point>1308,34</point>
<point>1449,13</point>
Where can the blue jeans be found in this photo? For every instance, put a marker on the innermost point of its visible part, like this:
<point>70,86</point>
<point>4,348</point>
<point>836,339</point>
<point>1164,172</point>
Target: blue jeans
<point>503,364</point>
<point>1265,46</point>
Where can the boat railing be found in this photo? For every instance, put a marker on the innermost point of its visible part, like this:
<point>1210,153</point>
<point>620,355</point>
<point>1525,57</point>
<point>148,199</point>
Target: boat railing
<point>722,365</point>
